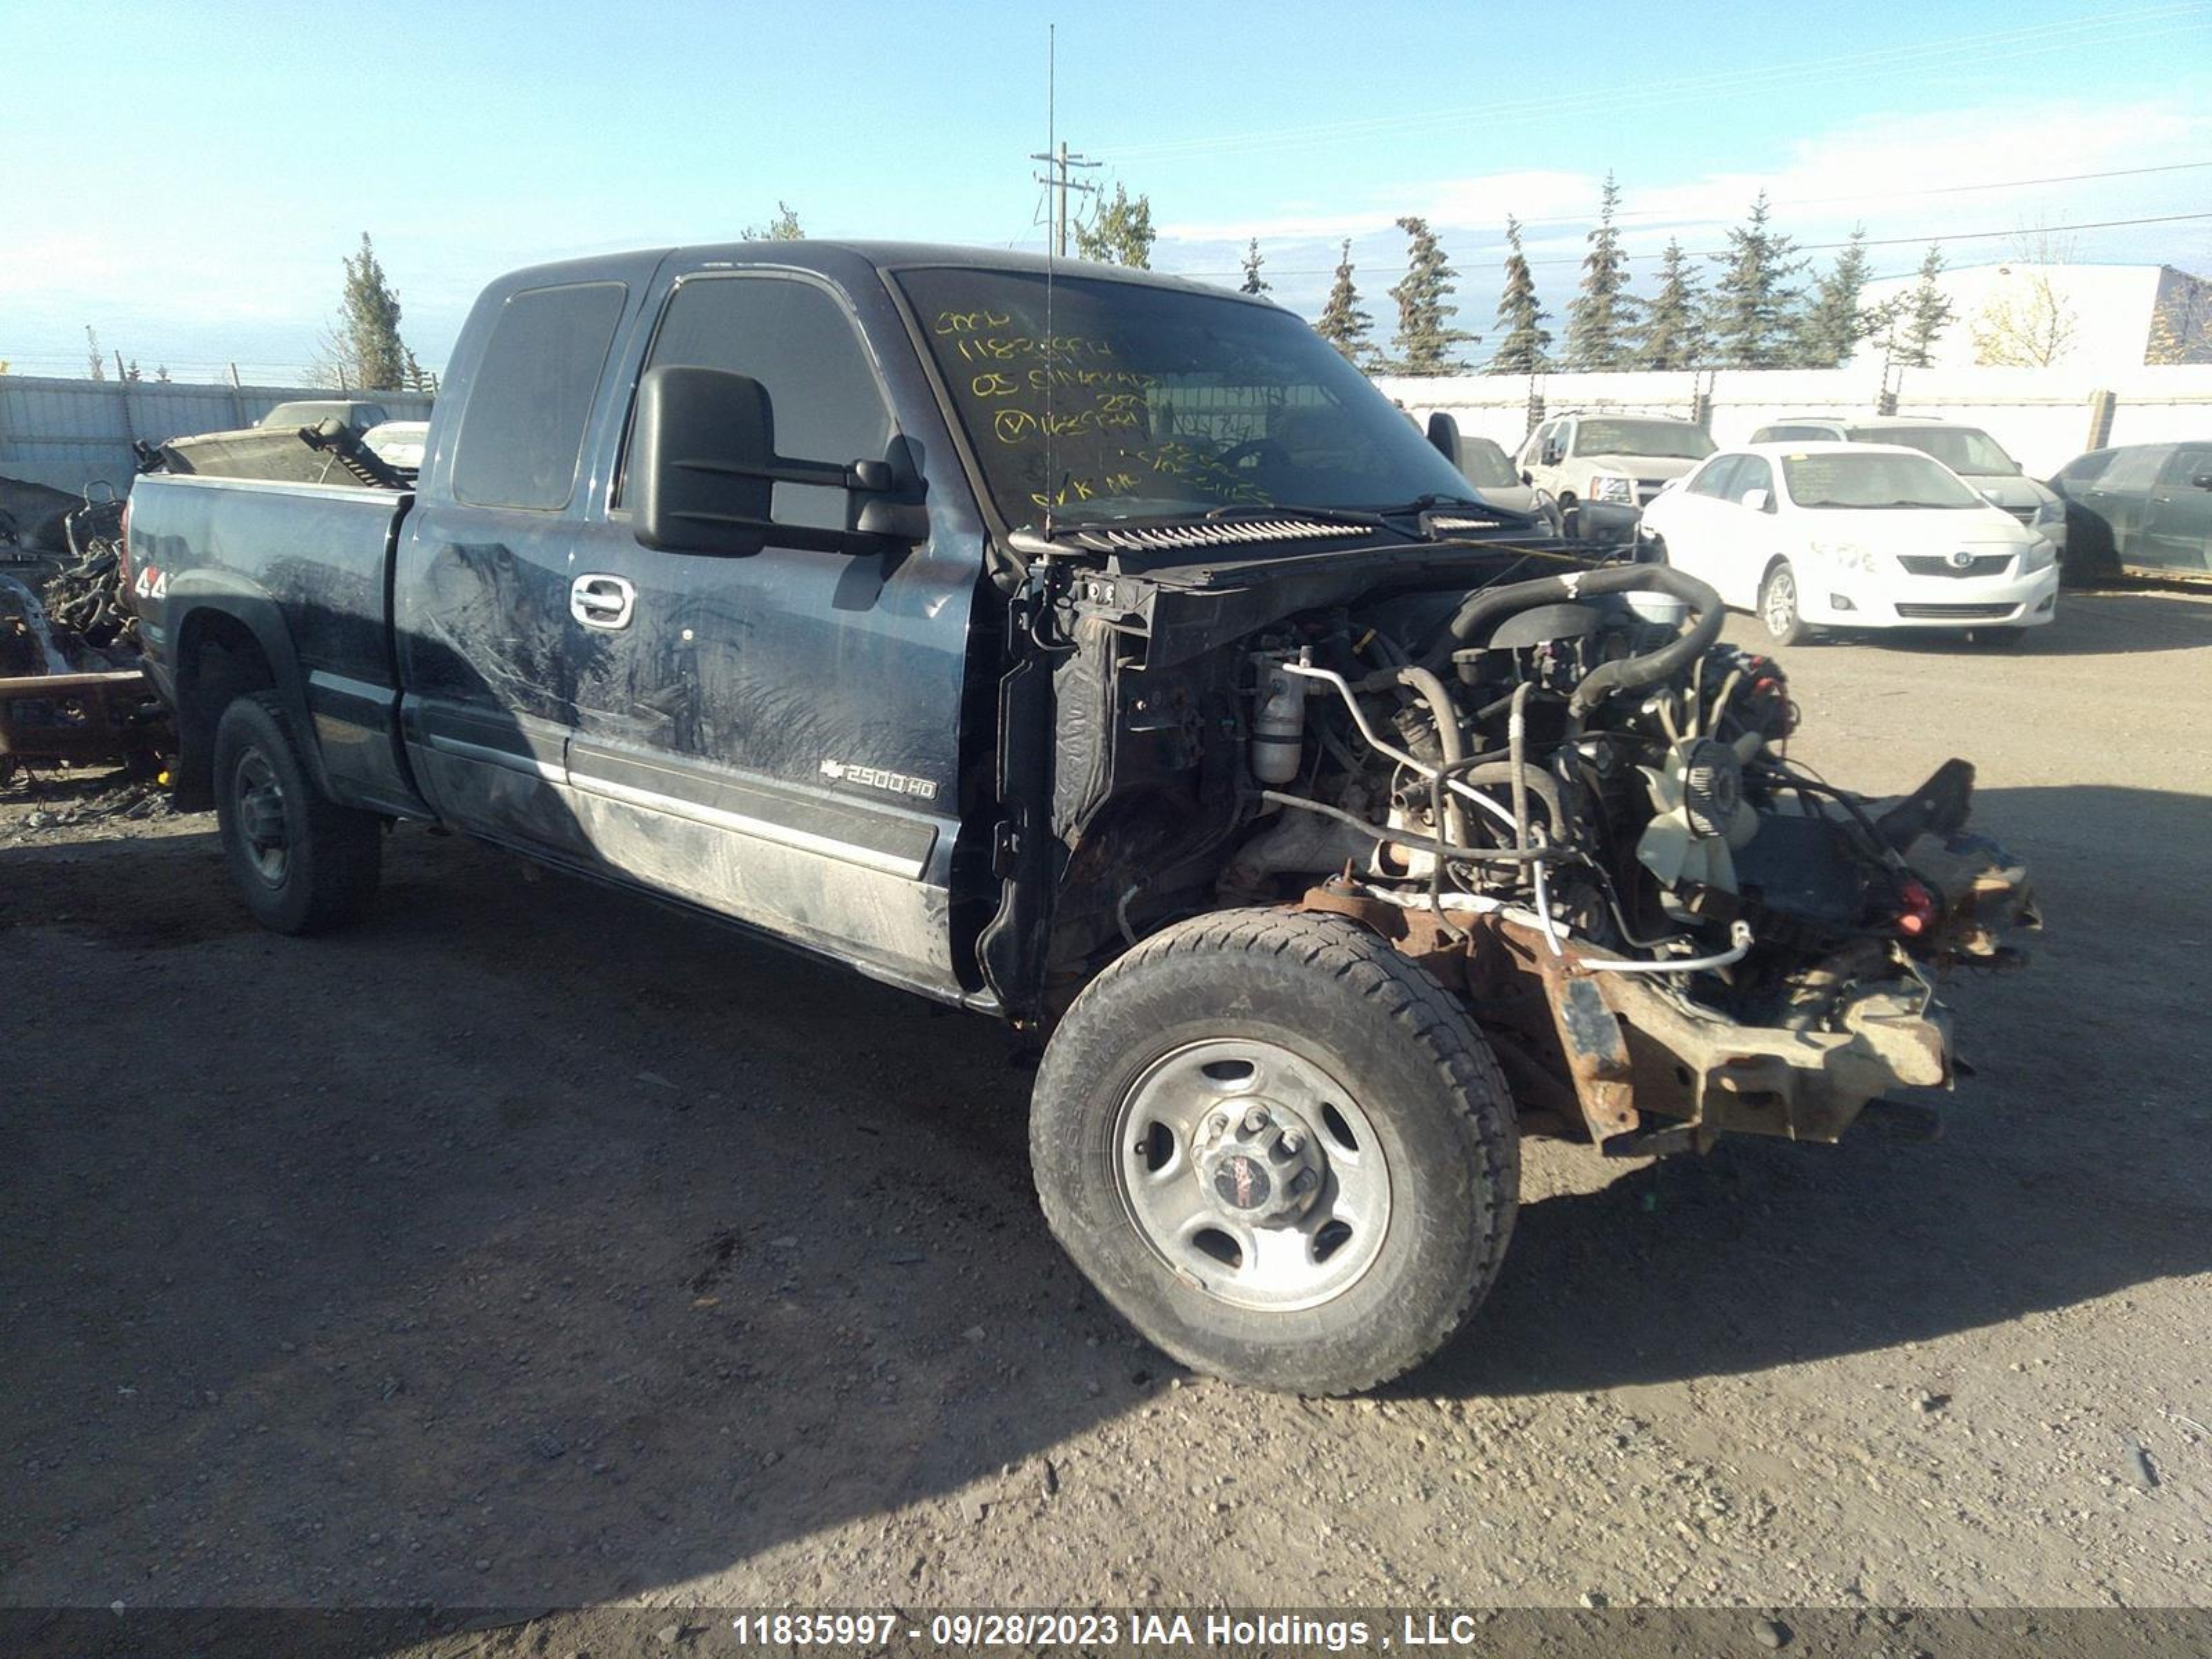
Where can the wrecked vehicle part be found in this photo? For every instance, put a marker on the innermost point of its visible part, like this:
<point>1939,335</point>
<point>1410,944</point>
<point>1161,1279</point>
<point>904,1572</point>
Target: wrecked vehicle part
<point>1597,808</point>
<point>65,700</point>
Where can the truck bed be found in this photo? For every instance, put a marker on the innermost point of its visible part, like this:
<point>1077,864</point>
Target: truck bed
<point>307,569</point>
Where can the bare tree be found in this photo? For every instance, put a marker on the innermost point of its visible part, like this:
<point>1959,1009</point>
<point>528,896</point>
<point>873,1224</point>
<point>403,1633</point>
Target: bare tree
<point>2028,323</point>
<point>94,360</point>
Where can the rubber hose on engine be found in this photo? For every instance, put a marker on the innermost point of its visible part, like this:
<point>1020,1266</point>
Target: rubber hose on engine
<point>1630,673</point>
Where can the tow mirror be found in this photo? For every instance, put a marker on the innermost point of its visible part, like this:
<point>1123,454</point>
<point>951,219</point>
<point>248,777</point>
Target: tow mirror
<point>1551,456</point>
<point>1757,501</point>
<point>704,469</point>
<point>1444,434</point>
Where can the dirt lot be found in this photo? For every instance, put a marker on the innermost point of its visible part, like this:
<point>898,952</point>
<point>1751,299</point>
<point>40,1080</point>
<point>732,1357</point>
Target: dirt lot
<point>533,1245</point>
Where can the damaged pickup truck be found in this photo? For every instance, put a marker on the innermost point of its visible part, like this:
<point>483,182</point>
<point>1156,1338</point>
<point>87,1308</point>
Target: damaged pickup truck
<point>1101,652</point>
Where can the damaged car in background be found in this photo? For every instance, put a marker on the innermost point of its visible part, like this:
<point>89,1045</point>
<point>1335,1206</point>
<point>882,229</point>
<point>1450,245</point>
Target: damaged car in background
<point>1102,653</point>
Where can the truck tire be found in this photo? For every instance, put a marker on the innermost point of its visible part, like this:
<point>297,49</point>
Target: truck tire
<point>303,863</point>
<point>1279,1149</point>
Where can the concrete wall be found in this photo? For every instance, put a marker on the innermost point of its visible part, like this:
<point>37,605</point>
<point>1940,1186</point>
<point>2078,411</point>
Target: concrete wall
<point>2043,416</point>
<point>68,432</point>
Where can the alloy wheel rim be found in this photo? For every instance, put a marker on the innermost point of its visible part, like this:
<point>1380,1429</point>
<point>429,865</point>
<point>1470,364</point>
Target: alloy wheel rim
<point>1781,602</point>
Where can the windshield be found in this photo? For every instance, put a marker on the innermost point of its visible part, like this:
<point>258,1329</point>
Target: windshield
<point>1867,479</point>
<point>1670,439</point>
<point>1961,448</point>
<point>1139,400</point>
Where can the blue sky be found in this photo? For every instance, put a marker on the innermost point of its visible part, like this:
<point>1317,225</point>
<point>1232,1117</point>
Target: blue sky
<point>238,151</point>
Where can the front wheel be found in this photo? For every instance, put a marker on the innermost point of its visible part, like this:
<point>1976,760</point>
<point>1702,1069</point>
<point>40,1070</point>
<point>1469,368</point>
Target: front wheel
<point>1778,606</point>
<point>302,864</point>
<point>1997,639</point>
<point>1279,1149</point>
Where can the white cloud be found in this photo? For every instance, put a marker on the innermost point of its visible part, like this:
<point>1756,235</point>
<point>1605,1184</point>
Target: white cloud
<point>1885,173</point>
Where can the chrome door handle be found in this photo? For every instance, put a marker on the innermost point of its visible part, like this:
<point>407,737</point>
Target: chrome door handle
<point>606,602</point>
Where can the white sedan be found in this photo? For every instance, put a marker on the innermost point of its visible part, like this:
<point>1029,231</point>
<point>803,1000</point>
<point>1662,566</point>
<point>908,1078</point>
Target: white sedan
<point>1840,535</point>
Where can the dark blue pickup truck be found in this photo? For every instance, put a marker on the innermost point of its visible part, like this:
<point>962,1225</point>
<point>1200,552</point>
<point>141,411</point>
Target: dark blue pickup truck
<point>1100,651</point>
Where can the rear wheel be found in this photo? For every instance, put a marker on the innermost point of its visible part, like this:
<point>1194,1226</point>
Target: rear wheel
<point>1778,606</point>
<point>1279,1149</point>
<point>303,863</point>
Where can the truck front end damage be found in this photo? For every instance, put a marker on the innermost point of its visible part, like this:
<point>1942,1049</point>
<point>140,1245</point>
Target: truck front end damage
<point>1566,800</point>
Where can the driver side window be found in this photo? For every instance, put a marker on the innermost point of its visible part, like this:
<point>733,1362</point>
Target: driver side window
<point>1714,479</point>
<point>797,340</point>
<point>1751,472</point>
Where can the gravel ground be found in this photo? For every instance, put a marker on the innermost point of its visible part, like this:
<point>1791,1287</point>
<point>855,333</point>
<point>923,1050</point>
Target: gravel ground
<point>531,1245</point>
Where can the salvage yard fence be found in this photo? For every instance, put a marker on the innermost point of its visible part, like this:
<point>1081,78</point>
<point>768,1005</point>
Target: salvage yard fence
<point>2043,416</point>
<point>69,434</point>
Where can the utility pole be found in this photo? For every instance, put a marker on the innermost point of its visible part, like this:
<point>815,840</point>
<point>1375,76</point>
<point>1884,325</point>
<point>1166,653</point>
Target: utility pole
<point>1057,177</point>
<point>1058,163</point>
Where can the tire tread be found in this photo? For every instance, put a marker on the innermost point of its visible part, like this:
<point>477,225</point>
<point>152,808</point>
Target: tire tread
<point>1430,1019</point>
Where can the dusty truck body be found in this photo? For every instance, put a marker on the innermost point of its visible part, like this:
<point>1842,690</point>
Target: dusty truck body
<point>1102,653</point>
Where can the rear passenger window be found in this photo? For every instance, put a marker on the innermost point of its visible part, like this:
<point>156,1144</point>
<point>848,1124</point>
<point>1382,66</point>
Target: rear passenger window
<point>524,429</point>
<point>797,340</point>
<point>2134,469</point>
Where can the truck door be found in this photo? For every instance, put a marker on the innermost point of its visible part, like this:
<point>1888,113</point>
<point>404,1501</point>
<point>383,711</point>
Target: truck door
<point>490,647</point>
<point>777,737</point>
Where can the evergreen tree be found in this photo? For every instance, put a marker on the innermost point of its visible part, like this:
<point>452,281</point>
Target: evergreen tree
<point>368,323</point>
<point>1600,320</point>
<point>1120,232</point>
<point>784,228</point>
<point>1926,313</point>
<point>1523,342</point>
<point>134,374</point>
<point>1343,324</point>
<point>1426,336</point>
<point>1673,333</point>
<point>1253,282</point>
<point>1754,308</point>
<point>1835,323</point>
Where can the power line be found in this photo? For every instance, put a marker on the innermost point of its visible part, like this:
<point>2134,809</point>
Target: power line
<point>1801,248</point>
<point>1897,195</point>
<point>1985,46</point>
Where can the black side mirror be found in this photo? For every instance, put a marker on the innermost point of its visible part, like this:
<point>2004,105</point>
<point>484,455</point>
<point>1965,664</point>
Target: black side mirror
<point>2202,480</point>
<point>702,459</point>
<point>1551,456</point>
<point>1443,435</point>
<point>1527,477</point>
<point>705,468</point>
